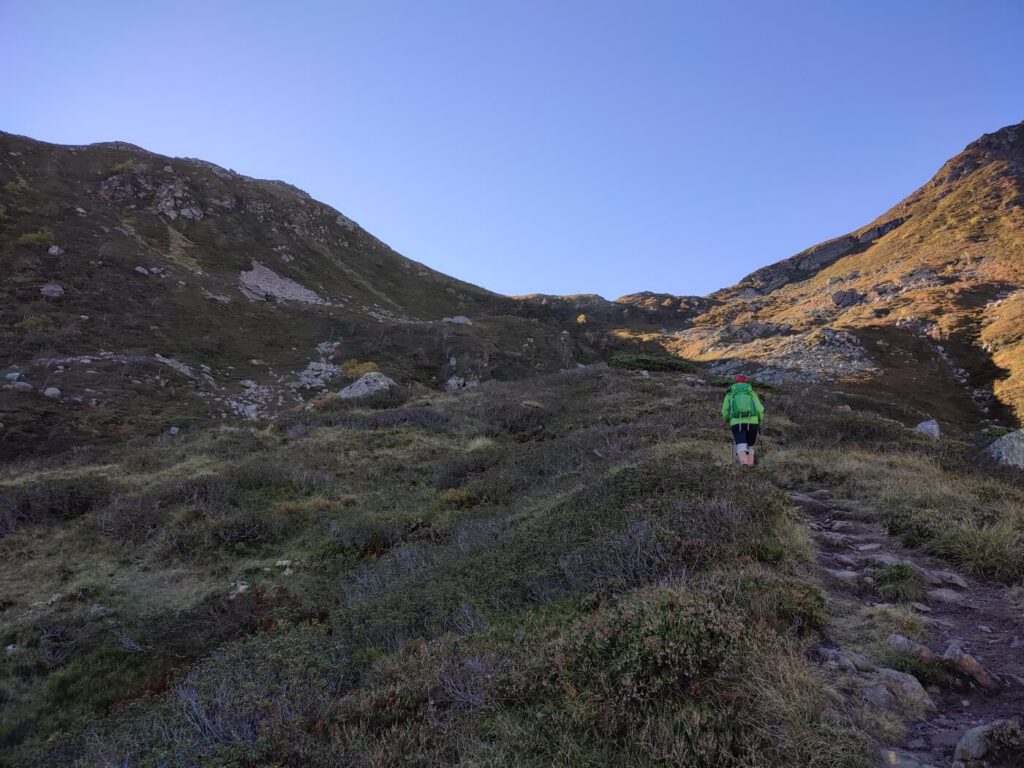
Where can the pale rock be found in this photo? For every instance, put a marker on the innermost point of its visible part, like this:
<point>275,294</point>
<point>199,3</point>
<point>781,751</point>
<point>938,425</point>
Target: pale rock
<point>974,744</point>
<point>945,596</point>
<point>458,320</point>
<point>906,688</point>
<point>142,270</point>
<point>55,250</point>
<point>22,386</point>
<point>1008,449</point>
<point>369,384</point>
<point>238,588</point>
<point>51,291</point>
<point>948,577</point>
<point>174,430</point>
<point>51,392</point>
<point>928,428</point>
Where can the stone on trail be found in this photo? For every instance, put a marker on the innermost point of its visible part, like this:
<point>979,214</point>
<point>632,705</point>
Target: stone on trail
<point>968,666</point>
<point>51,392</point>
<point>948,577</point>
<point>975,744</point>
<point>372,383</point>
<point>906,688</point>
<point>945,596</point>
<point>928,428</point>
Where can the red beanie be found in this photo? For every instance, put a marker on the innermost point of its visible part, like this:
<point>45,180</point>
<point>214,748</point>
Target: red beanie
<point>741,379</point>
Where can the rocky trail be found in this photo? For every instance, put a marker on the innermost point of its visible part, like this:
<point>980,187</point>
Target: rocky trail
<point>973,641</point>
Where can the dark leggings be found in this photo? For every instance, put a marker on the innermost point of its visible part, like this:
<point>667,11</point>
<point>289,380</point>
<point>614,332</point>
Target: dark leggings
<point>744,433</point>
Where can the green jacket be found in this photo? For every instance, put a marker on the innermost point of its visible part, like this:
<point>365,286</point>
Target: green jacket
<point>727,406</point>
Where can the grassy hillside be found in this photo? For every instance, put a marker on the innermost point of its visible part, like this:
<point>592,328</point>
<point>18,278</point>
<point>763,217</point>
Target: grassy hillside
<point>149,289</point>
<point>939,277</point>
<point>566,570</point>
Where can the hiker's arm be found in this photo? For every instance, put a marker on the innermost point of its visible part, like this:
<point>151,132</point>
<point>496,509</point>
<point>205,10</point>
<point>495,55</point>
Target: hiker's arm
<point>757,402</point>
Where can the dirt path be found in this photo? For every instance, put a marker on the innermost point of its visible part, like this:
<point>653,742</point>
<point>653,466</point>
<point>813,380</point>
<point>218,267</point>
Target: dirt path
<point>971,631</point>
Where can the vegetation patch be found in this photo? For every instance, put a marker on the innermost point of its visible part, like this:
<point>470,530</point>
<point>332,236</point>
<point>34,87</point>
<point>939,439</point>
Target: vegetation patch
<point>650,362</point>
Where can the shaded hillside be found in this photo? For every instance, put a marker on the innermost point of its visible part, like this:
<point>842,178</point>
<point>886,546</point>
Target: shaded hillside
<point>153,291</point>
<point>924,297</point>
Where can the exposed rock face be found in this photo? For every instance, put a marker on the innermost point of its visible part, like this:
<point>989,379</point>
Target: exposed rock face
<point>458,320</point>
<point>848,298</point>
<point>373,383</point>
<point>928,428</point>
<point>261,282</point>
<point>1008,449</point>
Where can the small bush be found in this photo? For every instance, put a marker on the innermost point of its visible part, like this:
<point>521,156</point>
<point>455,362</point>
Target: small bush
<point>994,550</point>
<point>520,419</point>
<point>899,581</point>
<point>648,362</point>
<point>354,369</point>
<point>459,498</point>
<point>42,237</point>
<point>36,331</point>
<point>124,166</point>
<point>621,666</point>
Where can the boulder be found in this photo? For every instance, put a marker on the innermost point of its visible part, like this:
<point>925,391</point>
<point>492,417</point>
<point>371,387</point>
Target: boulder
<point>55,250</point>
<point>1008,449</point>
<point>52,392</point>
<point>51,291</point>
<point>142,270</point>
<point>906,688</point>
<point>976,743</point>
<point>22,386</point>
<point>847,298</point>
<point>929,428</point>
<point>458,320</point>
<point>372,383</point>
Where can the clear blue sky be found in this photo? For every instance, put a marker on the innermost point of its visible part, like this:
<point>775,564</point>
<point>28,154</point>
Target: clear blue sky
<point>558,146</point>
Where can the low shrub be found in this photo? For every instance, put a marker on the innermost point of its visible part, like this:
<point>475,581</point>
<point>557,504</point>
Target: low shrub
<point>899,581</point>
<point>649,362</point>
<point>44,237</point>
<point>354,369</point>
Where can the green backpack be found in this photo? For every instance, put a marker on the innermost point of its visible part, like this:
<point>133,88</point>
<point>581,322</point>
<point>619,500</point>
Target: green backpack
<point>742,405</point>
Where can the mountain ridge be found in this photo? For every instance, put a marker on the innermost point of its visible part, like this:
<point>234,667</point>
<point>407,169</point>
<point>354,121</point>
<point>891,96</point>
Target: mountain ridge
<point>115,253</point>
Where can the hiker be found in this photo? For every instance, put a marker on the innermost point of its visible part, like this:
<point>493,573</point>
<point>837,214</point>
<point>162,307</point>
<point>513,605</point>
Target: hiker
<point>743,410</point>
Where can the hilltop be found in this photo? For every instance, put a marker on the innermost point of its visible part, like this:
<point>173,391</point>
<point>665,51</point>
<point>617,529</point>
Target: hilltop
<point>919,304</point>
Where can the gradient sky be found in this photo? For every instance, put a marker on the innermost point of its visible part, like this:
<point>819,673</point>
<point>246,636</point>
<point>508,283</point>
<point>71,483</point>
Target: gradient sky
<point>556,146</point>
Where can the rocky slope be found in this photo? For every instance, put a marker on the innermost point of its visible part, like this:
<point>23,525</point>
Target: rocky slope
<point>921,302</point>
<point>144,292</point>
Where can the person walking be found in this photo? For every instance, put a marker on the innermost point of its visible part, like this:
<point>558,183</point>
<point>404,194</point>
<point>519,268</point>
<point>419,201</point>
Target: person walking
<point>743,410</point>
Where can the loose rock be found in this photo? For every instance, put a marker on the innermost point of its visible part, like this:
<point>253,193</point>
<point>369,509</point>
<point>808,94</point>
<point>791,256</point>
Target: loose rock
<point>372,383</point>
<point>928,428</point>
<point>51,291</point>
